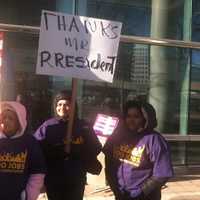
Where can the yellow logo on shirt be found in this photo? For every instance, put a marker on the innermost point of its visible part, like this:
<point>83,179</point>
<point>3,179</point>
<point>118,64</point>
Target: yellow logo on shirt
<point>136,155</point>
<point>13,163</point>
<point>78,140</point>
<point>129,154</point>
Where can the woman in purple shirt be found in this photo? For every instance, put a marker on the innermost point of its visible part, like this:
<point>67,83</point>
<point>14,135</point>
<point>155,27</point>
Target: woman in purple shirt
<point>137,157</point>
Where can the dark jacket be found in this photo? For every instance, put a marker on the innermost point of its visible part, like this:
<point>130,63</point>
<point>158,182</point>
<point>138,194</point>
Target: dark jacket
<point>84,148</point>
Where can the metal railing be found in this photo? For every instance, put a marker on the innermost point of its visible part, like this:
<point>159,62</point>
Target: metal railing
<point>123,38</point>
<point>182,138</point>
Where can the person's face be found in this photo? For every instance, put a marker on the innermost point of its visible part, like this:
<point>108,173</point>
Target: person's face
<point>63,108</point>
<point>9,123</point>
<point>134,120</point>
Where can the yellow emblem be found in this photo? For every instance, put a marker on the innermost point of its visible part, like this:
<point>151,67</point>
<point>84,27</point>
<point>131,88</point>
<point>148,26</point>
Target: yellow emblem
<point>136,155</point>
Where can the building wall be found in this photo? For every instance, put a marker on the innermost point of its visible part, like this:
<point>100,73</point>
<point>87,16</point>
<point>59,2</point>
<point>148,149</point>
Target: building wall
<point>138,66</point>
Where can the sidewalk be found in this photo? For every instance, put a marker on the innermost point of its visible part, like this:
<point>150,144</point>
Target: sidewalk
<point>184,186</point>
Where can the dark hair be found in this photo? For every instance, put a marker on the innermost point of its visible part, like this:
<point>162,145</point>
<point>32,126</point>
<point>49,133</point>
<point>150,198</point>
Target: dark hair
<point>64,95</point>
<point>131,104</point>
<point>146,109</point>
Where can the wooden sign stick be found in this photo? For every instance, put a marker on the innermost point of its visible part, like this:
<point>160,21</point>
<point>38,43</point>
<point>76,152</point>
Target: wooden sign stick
<point>68,136</point>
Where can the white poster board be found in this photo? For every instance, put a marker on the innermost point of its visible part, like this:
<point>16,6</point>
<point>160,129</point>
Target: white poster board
<point>78,47</point>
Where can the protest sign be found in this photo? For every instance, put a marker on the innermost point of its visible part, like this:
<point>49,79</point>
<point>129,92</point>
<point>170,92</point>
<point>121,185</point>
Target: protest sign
<point>78,47</point>
<point>105,125</point>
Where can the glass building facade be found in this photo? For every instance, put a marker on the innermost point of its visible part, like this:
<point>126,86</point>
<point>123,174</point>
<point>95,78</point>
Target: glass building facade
<point>158,60</point>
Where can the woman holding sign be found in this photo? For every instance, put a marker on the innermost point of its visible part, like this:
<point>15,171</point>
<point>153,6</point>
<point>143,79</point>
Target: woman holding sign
<point>66,172</point>
<point>137,157</point>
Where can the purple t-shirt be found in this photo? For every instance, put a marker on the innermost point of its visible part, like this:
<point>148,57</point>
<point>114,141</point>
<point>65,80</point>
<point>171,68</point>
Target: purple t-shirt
<point>135,158</point>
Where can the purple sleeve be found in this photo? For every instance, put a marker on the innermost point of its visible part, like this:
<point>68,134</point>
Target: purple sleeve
<point>160,157</point>
<point>40,133</point>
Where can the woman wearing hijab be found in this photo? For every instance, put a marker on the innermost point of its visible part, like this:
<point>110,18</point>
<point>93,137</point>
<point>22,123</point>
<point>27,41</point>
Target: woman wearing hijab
<point>66,173</point>
<point>137,157</point>
<point>21,160</point>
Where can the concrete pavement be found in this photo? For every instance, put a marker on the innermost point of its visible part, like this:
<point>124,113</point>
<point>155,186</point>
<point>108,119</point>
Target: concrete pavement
<point>184,186</point>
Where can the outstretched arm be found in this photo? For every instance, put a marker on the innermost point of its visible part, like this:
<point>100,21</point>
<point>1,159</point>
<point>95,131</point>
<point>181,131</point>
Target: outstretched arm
<point>34,186</point>
<point>36,170</point>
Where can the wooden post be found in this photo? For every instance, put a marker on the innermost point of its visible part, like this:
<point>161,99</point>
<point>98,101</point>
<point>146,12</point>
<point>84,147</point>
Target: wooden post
<point>1,65</point>
<point>68,136</point>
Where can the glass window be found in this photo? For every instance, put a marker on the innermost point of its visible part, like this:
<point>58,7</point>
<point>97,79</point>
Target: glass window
<point>140,17</point>
<point>161,85</point>
<point>196,21</point>
<point>135,15</point>
<point>24,12</point>
<point>192,156</point>
<point>178,152</point>
<point>194,119</point>
<point>20,81</point>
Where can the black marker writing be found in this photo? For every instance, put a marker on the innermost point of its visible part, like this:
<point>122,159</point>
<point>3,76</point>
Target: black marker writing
<point>76,43</point>
<point>65,61</point>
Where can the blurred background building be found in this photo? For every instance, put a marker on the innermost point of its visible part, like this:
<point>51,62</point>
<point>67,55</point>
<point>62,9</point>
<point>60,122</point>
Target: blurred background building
<point>158,61</point>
